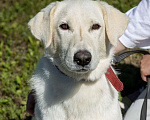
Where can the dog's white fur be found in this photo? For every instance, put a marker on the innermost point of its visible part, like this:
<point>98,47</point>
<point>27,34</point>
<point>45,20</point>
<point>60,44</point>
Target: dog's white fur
<point>66,92</point>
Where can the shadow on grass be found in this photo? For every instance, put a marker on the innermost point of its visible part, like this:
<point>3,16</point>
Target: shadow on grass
<point>131,78</point>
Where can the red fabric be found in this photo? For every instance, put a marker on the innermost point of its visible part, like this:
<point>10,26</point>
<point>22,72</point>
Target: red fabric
<point>114,80</point>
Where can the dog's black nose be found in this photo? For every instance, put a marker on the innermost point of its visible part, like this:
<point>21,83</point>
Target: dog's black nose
<point>82,58</point>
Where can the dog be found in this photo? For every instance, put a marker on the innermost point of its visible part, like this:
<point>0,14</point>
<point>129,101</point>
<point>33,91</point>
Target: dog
<point>69,81</point>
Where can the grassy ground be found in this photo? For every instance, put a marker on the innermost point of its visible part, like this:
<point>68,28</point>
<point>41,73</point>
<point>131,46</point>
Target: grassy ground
<point>20,52</point>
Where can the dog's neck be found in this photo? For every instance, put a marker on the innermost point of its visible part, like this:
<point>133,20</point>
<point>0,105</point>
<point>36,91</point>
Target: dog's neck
<point>110,75</point>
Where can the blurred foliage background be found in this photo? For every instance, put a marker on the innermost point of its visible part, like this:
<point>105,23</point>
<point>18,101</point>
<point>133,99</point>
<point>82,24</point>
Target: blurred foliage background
<point>20,52</point>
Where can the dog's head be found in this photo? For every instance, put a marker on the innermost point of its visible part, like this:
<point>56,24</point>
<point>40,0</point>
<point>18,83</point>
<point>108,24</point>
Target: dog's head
<point>79,34</point>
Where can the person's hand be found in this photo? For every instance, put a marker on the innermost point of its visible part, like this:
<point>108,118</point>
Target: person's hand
<point>31,103</point>
<point>145,67</point>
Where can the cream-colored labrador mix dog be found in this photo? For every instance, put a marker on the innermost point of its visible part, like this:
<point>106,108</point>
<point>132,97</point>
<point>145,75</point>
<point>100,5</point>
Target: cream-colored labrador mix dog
<point>70,81</point>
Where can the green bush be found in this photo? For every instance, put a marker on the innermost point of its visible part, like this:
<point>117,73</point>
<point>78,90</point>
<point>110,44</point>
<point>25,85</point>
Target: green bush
<point>20,52</point>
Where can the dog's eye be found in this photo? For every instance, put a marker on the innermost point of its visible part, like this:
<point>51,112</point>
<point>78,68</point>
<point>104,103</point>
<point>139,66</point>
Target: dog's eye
<point>64,26</point>
<point>95,26</point>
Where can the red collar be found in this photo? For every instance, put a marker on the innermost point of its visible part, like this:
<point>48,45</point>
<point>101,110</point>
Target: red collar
<point>114,80</point>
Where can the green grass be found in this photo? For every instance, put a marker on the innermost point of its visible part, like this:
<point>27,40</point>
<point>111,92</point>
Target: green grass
<point>20,52</point>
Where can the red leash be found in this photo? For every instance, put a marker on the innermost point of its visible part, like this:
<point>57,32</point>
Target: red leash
<point>114,80</point>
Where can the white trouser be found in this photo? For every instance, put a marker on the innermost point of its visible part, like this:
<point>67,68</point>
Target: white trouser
<point>134,111</point>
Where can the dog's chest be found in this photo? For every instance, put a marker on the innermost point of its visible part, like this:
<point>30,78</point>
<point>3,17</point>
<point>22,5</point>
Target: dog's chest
<point>89,103</point>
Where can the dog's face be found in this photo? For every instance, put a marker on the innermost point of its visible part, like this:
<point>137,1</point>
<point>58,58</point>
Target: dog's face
<point>79,33</point>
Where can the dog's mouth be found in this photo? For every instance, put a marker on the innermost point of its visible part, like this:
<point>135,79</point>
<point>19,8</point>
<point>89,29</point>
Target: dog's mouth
<point>83,70</point>
<point>78,69</point>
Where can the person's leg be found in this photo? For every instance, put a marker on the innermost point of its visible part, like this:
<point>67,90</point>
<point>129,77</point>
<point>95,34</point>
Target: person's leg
<point>134,111</point>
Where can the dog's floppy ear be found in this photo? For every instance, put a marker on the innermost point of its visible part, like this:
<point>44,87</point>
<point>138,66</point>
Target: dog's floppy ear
<point>41,25</point>
<point>115,22</point>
